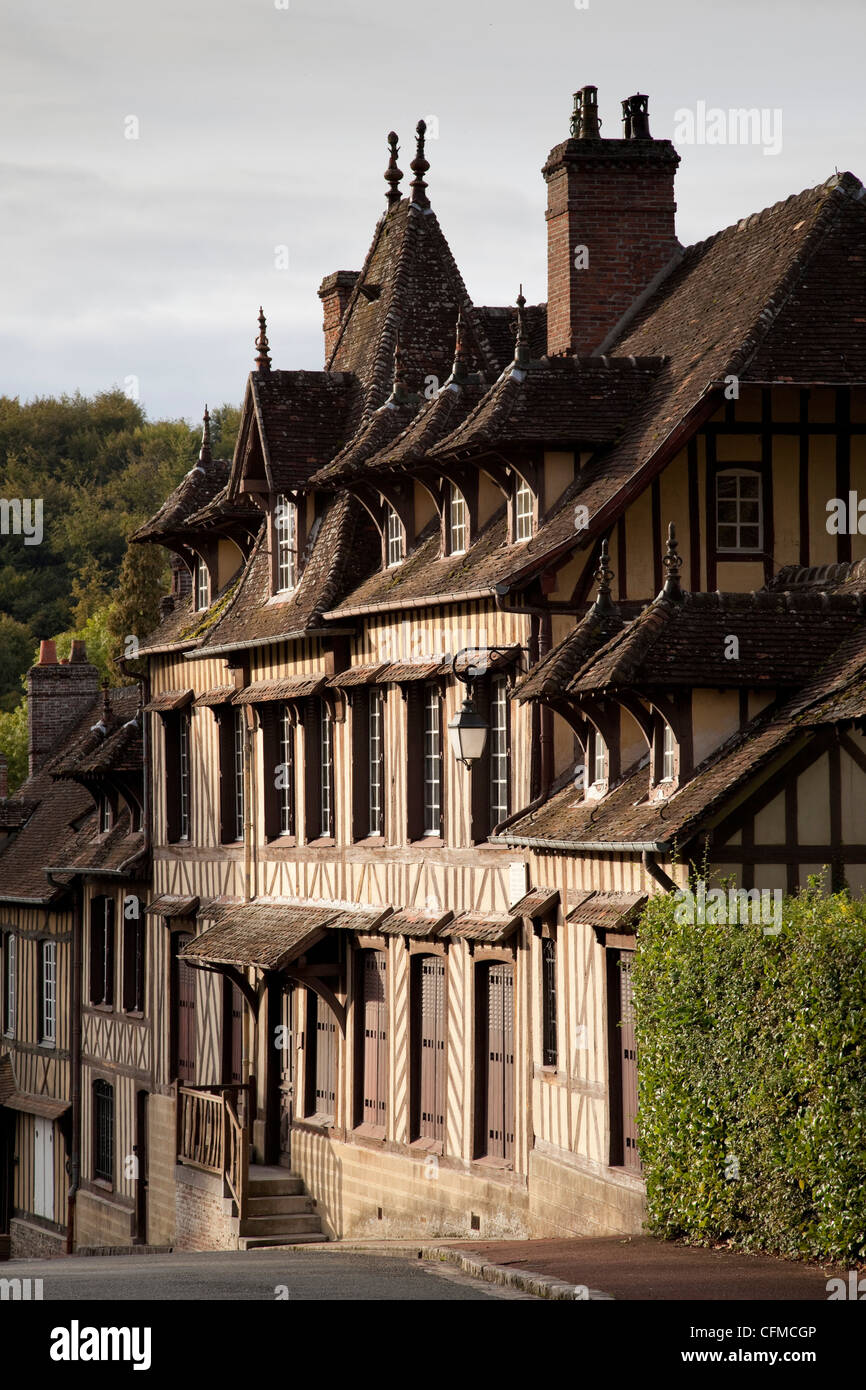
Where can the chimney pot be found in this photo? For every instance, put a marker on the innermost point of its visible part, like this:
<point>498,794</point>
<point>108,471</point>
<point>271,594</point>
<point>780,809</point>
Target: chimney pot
<point>47,652</point>
<point>585,124</point>
<point>78,652</point>
<point>635,117</point>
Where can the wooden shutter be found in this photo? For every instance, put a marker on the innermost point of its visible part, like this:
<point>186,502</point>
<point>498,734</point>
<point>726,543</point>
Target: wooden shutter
<point>360,763</point>
<point>109,951</point>
<point>628,1055</point>
<point>185,1013</point>
<point>171,745</point>
<point>226,743</point>
<point>97,950</point>
<point>312,768</point>
<point>548,1001</point>
<point>415,761</point>
<point>499,1114</point>
<point>480,774</point>
<point>269,716</point>
<point>236,1035</point>
<point>374,1008</point>
<point>431,1041</point>
<point>322,1058</point>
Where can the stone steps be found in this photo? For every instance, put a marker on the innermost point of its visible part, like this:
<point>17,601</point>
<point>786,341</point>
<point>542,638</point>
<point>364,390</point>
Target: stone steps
<point>280,1211</point>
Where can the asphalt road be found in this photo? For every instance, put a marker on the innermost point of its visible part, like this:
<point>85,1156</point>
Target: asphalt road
<point>259,1276</point>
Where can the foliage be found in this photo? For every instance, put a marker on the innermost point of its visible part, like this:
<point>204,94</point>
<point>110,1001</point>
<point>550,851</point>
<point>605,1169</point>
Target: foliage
<point>752,1089</point>
<point>13,742</point>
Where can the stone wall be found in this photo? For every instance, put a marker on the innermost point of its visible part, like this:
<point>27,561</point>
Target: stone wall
<point>102,1222</point>
<point>203,1216</point>
<point>161,1194</point>
<point>30,1241</point>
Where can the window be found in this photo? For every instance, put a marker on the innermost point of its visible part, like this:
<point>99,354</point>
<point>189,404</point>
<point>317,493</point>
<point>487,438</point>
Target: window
<point>103,1131</point>
<point>102,951</point>
<point>202,585</point>
<point>394,536</point>
<point>622,1061</point>
<point>498,750</point>
<point>286,532</point>
<point>177,776</point>
<point>522,511</point>
<point>48,1020</point>
<point>669,749</point>
<point>286,773</point>
<point>182,1015</point>
<point>548,1001</point>
<point>319,775</point>
<point>599,758</point>
<point>495,1107</point>
<point>739,521</point>
<point>104,815</point>
<point>376,763</point>
<point>429,1077</point>
<point>326,748</point>
<point>371,1106</point>
<point>321,1075</point>
<point>133,957</point>
<point>10,947</point>
<point>432,761</point>
<point>458,527</point>
<point>238,771</point>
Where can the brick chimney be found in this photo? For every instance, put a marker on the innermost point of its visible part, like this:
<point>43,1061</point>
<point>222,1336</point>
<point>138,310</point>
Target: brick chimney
<point>610,222</point>
<point>58,696</point>
<point>335,292</point>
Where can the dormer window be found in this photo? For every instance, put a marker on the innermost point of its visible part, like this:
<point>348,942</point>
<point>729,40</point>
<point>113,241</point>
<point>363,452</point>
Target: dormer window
<point>739,511</point>
<point>669,754</point>
<point>599,759</point>
<point>523,509</point>
<point>458,522</point>
<point>395,550</point>
<point>104,815</point>
<point>202,585</point>
<point>286,535</point>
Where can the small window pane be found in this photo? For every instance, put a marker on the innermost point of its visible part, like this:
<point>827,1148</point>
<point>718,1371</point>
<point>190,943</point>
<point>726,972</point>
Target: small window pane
<point>522,511</point>
<point>286,528</point>
<point>458,521</point>
<point>738,511</point>
<point>394,538</point>
<point>432,763</point>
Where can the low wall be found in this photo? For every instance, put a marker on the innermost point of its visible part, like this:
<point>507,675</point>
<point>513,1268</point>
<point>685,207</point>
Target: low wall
<point>203,1216</point>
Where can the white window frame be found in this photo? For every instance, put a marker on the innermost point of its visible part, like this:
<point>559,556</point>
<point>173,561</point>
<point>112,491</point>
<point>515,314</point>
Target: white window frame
<point>286,538</point>
<point>49,993</point>
<point>458,522</point>
<point>202,585</point>
<point>599,759</point>
<point>432,761</point>
<point>183,776</point>
<point>395,549</point>
<point>287,761</point>
<point>376,749</point>
<point>738,501</point>
<point>10,963</point>
<point>104,815</point>
<point>499,760</point>
<point>326,764</point>
<point>669,753</point>
<point>523,511</point>
<point>238,770</point>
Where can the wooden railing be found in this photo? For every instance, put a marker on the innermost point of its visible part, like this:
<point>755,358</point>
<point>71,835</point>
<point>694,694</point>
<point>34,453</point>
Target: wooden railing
<point>211,1136</point>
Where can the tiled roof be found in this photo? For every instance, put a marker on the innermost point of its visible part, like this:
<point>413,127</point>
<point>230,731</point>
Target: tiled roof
<point>291,688</point>
<point>119,848</point>
<point>303,420</point>
<point>538,902</point>
<point>374,435</point>
<point>607,910</point>
<point>195,490</point>
<point>490,928</point>
<point>115,746</point>
<point>169,699</point>
<point>410,921</point>
<point>217,695</point>
<point>552,674</point>
<point>171,905</point>
<point>265,935</point>
<point>496,327</point>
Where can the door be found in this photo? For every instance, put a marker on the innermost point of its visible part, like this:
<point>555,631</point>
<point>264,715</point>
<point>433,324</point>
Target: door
<point>628,1053</point>
<point>321,1093</point>
<point>43,1168</point>
<point>374,1038</point>
<point>430,985</point>
<point>286,1072</point>
<point>497,1080</point>
<point>140,1153</point>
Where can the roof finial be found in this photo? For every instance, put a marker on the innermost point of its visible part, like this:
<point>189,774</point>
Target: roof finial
<point>393,175</point>
<point>460,370</point>
<point>672,561</point>
<point>204,453</point>
<point>263,358</point>
<point>521,345</point>
<point>419,167</point>
<point>603,575</point>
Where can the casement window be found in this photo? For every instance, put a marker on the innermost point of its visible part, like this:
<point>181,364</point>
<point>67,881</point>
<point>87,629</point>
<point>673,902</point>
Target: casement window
<point>458,522</point>
<point>739,511</point>
<point>321,1059</point>
<point>428,1048</point>
<point>319,770</point>
<point>599,757</point>
<point>368,763</point>
<point>371,1105</point>
<point>498,740</point>
<point>394,546</point>
<point>182,1012</point>
<point>278,754</point>
<point>238,771</point>
<point>376,762</point>
<point>103,1131</point>
<point>104,815</point>
<point>10,965</point>
<point>176,728</point>
<point>548,1002</point>
<point>523,511</point>
<point>102,951</point>
<point>48,1007</point>
<point>133,962</point>
<point>202,585</point>
<point>286,772</point>
<point>495,1100</point>
<point>432,760</point>
<point>286,538</point>
<point>668,753</point>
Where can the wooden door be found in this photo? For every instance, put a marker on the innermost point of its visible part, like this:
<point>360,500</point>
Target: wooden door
<point>374,1011</point>
<point>628,1055</point>
<point>498,1059</point>
<point>43,1168</point>
<point>185,977</point>
<point>321,1083</point>
<point>430,985</point>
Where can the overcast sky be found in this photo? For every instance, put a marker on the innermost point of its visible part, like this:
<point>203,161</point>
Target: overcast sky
<point>262,124</point>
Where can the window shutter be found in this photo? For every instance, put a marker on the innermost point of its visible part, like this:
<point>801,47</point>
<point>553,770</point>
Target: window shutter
<point>171,737</point>
<point>312,759</point>
<point>431,1040</point>
<point>480,803</point>
<point>97,947</point>
<point>226,743</point>
<point>415,761</point>
<point>130,951</point>
<point>360,764</point>
<point>109,951</point>
<point>269,715</point>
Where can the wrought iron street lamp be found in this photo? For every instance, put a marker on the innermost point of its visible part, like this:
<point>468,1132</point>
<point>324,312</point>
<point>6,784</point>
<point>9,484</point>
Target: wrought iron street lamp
<point>468,730</point>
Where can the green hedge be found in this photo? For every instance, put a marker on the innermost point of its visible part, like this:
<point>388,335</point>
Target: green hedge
<point>752,1064</point>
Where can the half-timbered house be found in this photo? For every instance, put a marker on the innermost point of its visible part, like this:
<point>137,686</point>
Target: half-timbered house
<point>400,973</point>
